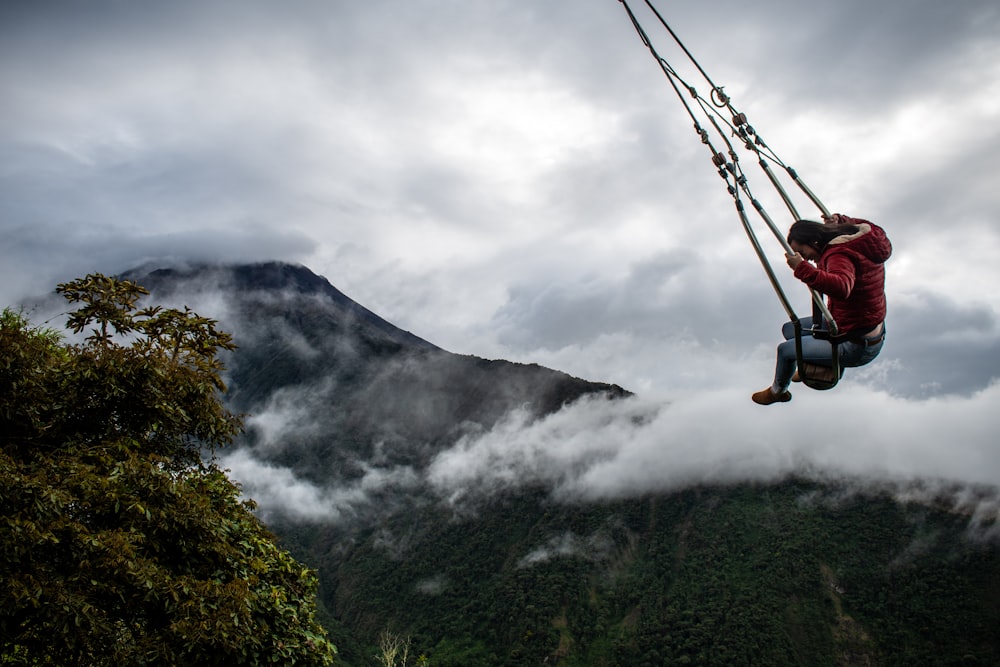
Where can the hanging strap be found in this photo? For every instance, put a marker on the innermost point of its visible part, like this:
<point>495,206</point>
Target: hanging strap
<point>739,124</point>
<point>730,169</point>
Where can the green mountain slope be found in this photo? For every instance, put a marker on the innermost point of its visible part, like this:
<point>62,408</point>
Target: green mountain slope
<point>792,574</point>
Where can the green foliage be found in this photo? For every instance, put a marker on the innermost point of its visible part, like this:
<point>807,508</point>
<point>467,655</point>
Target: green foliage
<point>791,574</point>
<point>162,386</point>
<point>119,545</point>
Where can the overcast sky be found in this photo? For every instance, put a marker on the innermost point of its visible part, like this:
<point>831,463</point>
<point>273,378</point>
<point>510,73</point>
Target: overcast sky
<point>516,179</point>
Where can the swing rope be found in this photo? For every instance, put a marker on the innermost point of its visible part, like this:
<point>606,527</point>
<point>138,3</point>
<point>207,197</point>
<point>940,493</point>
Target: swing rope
<point>739,125</point>
<point>731,171</point>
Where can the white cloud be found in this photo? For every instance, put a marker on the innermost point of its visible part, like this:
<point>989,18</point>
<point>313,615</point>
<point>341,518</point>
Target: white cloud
<point>595,547</point>
<point>279,492</point>
<point>602,449</point>
<point>933,451</point>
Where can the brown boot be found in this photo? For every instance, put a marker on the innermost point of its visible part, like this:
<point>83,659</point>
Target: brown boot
<point>796,377</point>
<point>767,397</point>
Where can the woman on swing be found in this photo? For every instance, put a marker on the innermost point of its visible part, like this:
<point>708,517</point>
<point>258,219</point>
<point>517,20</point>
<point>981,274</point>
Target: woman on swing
<point>843,258</point>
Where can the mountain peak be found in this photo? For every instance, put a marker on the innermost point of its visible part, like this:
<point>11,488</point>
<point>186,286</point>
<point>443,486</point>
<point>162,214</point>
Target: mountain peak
<point>245,280</point>
<point>304,341</point>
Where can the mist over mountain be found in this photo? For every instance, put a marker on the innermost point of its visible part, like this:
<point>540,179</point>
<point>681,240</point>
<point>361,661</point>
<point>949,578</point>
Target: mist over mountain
<point>510,514</point>
<point>338,400</point>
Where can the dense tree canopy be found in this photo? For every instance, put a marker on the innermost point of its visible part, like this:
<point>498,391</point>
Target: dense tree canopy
<point>118,543</point>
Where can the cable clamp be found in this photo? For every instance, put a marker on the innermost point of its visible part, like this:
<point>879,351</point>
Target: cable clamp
<point>719,98</point>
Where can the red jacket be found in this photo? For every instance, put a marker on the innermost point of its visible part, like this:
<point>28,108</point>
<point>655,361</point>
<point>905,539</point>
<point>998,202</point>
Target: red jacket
<point>851,272</point>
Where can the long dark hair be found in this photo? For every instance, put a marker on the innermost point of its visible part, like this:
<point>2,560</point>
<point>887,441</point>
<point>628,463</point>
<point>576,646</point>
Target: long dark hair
<point>817,234</point>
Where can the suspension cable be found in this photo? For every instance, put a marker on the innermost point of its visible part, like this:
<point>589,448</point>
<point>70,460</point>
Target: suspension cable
<point>739,124</point>
<point>731,170</point>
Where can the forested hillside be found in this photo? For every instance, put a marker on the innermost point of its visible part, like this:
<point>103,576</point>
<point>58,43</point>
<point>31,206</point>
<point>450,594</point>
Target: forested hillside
<point>791,574</point>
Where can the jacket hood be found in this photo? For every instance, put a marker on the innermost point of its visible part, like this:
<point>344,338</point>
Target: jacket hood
<point>870,241</point>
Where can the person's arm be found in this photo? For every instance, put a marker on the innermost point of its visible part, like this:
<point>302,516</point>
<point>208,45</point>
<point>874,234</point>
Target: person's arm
<point>836,279</point>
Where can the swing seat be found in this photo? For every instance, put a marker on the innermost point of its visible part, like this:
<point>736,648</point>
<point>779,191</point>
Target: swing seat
<point>819,377</point>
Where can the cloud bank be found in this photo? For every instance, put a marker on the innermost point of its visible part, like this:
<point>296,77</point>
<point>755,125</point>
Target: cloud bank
<point>932,451</point>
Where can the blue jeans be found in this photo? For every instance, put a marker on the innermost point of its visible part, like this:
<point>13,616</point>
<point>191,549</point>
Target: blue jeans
<point>817,351</point>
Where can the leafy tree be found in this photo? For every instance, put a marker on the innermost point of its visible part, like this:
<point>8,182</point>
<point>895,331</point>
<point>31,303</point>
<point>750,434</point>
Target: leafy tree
<point>118,543</point>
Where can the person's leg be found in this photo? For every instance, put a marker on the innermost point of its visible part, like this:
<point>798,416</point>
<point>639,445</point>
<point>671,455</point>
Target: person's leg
<point>788,328</point>
<point>788,331</point>
<point>784,367</point>
<point>813,351</point>
<point>854,354</point>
